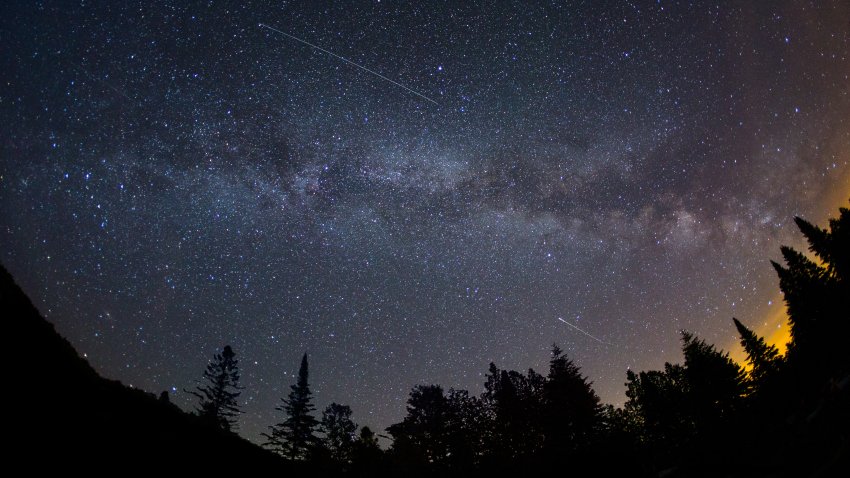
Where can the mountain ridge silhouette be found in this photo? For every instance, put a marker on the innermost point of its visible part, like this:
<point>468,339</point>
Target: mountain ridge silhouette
<point>65,415</point>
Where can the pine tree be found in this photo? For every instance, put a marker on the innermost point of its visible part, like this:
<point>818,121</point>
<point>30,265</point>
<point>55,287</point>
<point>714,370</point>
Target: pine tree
<point>571,407</point>
<point>217,397</point>
<point>818,298</point>
<point>763,358</point>
<point>295,437</point>
<point>339,432</point>
<point>715,382</point>
<point>832,247</point>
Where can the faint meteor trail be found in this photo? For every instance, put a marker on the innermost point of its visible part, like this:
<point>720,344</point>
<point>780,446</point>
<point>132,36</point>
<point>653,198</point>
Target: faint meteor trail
<point>582,331</point>
<point>263,25</point>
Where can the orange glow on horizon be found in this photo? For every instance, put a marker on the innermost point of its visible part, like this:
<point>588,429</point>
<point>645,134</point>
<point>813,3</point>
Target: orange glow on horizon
<point>774,328</point>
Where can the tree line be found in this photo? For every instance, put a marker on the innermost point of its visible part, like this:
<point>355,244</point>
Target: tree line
<point>778,415</point>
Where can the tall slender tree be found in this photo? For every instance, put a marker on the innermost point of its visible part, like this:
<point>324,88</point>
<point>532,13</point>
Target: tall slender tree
<point>219,391</point>
<point>764,359</point>
<point>295,437</point>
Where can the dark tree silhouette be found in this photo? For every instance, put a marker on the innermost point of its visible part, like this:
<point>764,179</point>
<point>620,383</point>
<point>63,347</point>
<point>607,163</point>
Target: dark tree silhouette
<point>420,438</point>
<point>366,454</point>
<point>669,411</point>
<point>295,437</point>
<point>685,415</point>
<point>818,298</point>
<point>367,439</point>
<point>466,422</point>
<point>813,394</point>
<point>571,413</point>
<point>692,419</point>
<point>764,360</point>
<point>514,402</point>
<point>656,408</point>
<point>218,393</point>
<point>619,430</point>
<point>715,383</point>
<point>339,432</point>
<point>440,429</point>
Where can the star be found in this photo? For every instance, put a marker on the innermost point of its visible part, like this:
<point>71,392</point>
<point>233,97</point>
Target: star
<point>211,182</point>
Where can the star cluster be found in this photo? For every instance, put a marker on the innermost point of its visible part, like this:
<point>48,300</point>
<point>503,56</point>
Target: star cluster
<point>174,178</point>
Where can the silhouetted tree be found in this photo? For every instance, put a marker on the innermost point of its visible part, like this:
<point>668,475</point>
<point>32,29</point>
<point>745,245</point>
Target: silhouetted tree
<point>339,432</point>
<point>366,454</point>
<point>620,431</point>
<point>571,412</point>
<point>440,429</point>
<point>294,438</point>
<point>514,402</point>
<point>715,383</point>
<point>818,298</point>
<point>656,408</point>
<point>217,395</point>
<point>466,422</point>
<point>764,359</point>
<point>670,409</point>
<point>813,392</point>
<point>420,438</point>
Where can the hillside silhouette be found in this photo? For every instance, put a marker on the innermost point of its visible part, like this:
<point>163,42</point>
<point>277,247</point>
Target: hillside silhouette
<point>65,416</point>
<point>782,415</point>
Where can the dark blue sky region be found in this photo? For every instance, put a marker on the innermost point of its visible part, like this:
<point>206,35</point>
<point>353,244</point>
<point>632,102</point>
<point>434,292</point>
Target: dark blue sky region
<point>176,177</point>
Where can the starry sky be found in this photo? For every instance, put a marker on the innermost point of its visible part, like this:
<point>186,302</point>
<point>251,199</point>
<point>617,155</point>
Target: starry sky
<point>175,177</point>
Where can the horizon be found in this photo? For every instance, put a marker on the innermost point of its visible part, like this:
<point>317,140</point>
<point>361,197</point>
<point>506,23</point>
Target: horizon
<point>410,192</point>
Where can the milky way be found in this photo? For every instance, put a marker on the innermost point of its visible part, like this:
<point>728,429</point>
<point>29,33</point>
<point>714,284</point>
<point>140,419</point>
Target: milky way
<point>178,178</point>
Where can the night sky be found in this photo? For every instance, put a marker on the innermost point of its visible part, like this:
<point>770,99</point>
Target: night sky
<point>176,178</point>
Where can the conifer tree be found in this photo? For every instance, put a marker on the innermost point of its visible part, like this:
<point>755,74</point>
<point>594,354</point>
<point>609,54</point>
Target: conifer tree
<point>715,381</point>
<point>571,407</point>
<point>218,394</point>
<point>295,437</point>
<point>818,298</point>
<point>763,358</point>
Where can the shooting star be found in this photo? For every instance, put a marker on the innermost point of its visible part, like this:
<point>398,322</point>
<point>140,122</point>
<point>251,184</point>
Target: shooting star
<point>582,331</point>
<point>263,25</point>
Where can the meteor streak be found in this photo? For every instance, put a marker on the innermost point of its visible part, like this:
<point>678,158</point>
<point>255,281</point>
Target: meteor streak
<point>582,331</point>
<point>263,25</point>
